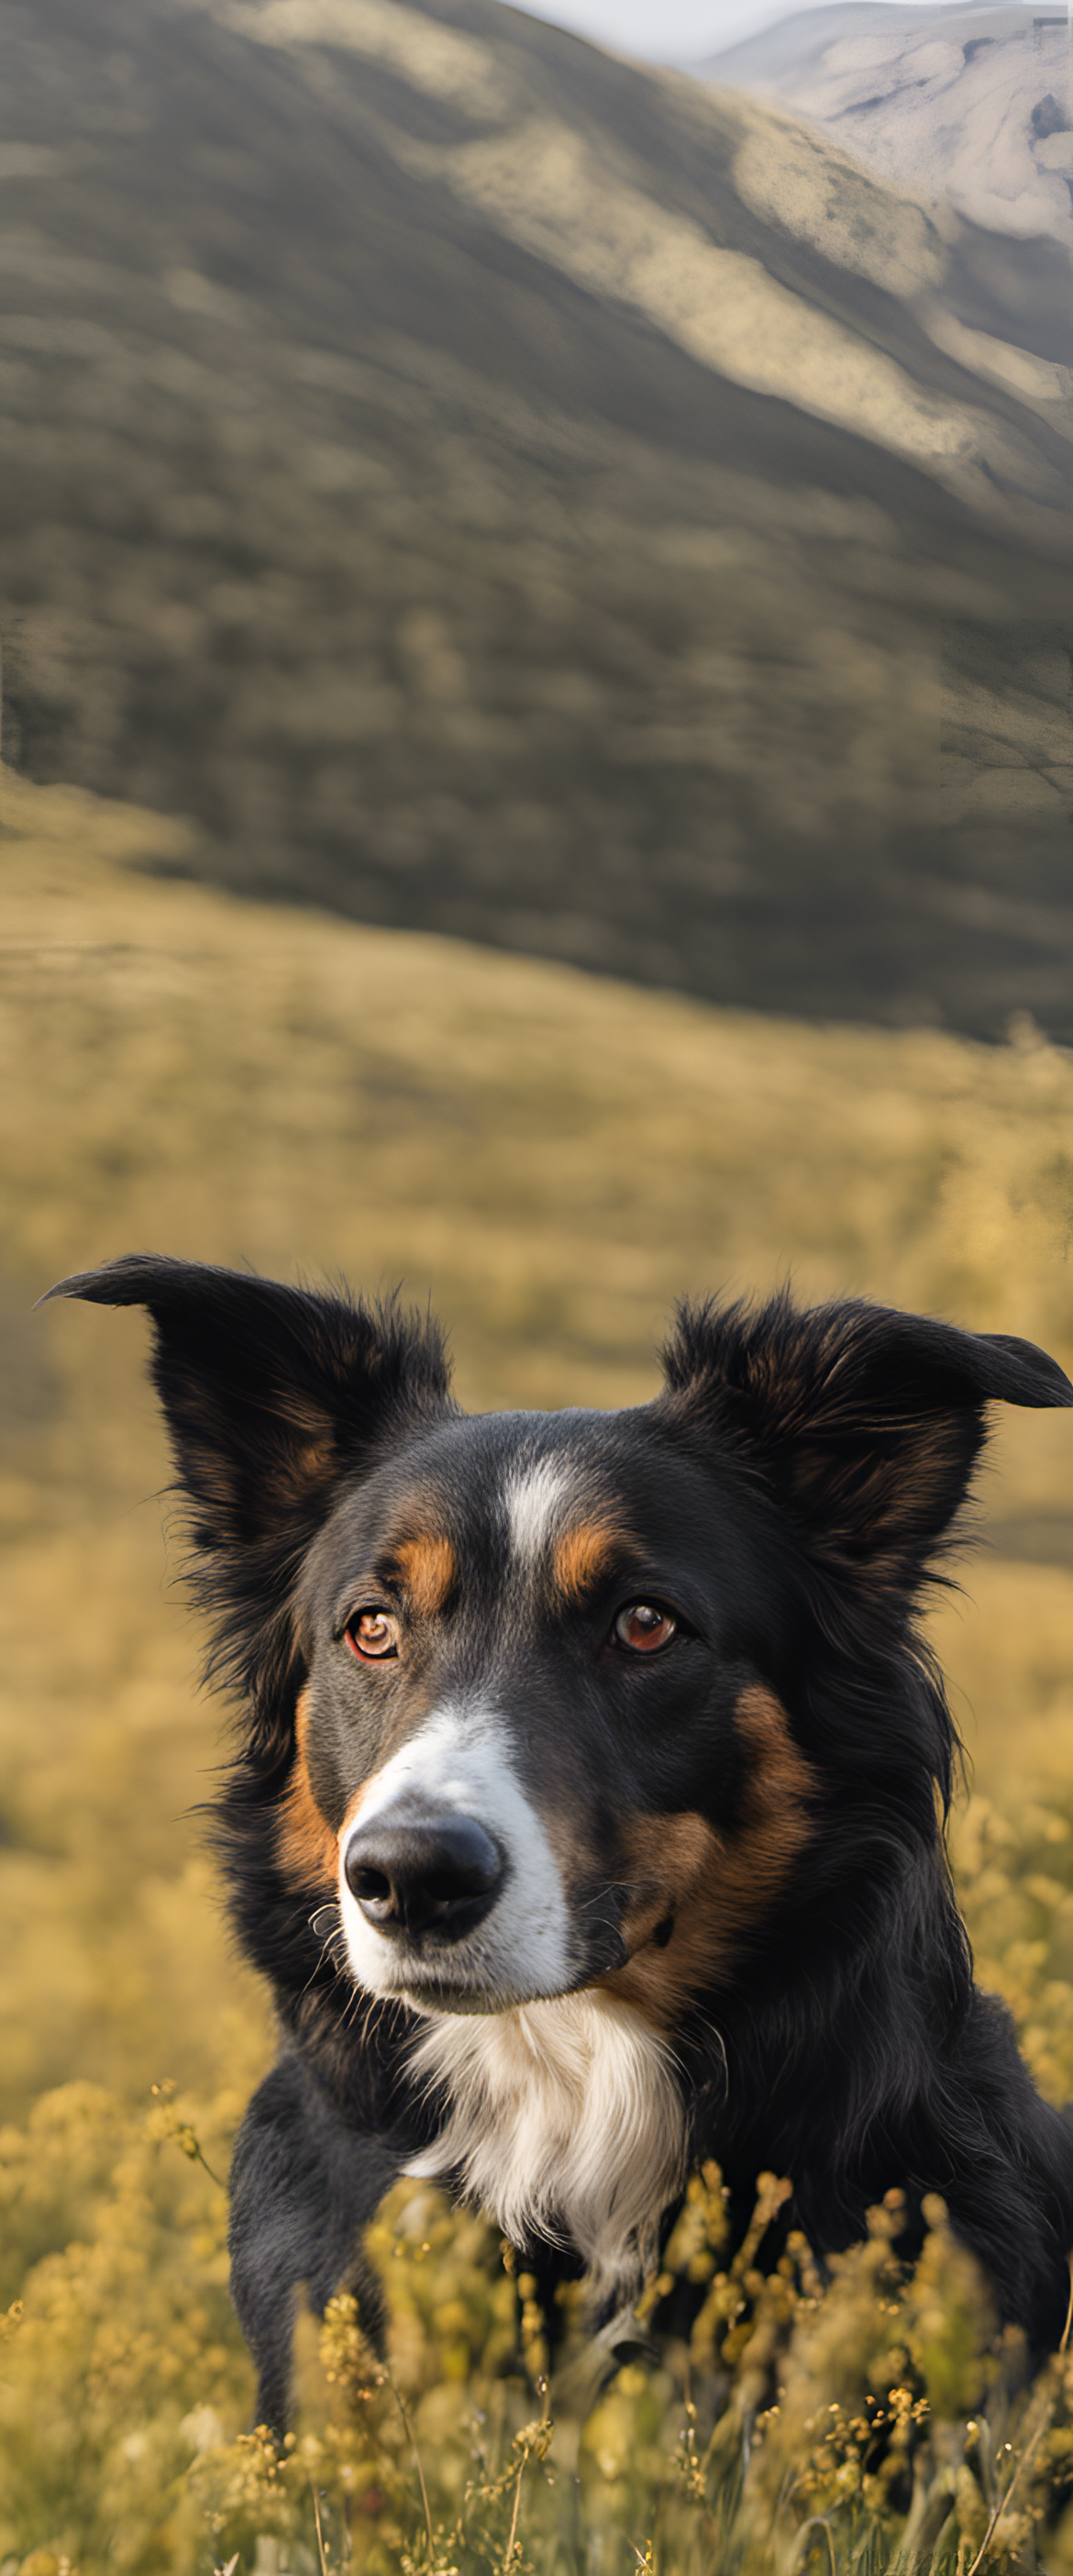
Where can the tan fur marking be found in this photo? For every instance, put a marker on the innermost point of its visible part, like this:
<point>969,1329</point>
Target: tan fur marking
<point>427,1567</point>
<point>716,1886</point>
<point>307,1849</point>
<point>582,1554</point>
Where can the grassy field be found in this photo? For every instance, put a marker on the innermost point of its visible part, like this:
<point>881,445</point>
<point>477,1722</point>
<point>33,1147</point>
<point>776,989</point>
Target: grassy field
<point>553,1160</point>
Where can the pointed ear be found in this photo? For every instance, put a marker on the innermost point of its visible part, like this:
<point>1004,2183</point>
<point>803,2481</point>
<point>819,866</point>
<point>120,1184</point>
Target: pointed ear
<point>272,1396</point>
<point>865,1422</point>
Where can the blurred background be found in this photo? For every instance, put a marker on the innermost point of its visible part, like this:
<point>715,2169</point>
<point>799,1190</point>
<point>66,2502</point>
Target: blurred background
<point>495,485</point>
<point>535,621</point>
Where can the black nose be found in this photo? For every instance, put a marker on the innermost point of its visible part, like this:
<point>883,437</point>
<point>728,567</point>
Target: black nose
<point>426,1874</point>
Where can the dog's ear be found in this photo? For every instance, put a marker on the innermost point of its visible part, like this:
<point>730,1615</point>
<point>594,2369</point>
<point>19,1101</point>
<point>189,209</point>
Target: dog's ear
<point>273,1396</point>
<point>864,1422</point>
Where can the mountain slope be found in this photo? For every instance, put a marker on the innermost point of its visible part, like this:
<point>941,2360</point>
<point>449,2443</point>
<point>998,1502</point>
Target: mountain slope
<point>494,487</point>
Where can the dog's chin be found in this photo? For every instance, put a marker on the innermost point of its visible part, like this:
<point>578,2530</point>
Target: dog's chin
<point>431,1991</point>
<point>431,1994</point>
<point>435,1999</point>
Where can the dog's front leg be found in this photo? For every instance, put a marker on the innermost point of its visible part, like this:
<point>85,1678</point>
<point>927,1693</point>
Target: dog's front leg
<point>303,2186</point>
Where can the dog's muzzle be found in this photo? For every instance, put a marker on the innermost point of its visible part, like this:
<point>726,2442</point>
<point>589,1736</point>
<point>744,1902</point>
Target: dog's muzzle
<point>431,1874</point>
<point>450,1893</point>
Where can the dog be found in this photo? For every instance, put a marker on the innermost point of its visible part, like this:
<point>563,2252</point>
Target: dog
<point>589,1816</point>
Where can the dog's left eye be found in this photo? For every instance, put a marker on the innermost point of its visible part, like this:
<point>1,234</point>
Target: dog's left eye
<point>373,1634</point>
<point>644,1628</point>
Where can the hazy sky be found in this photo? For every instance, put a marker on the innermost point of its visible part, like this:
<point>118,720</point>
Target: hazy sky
<point>667,31</point>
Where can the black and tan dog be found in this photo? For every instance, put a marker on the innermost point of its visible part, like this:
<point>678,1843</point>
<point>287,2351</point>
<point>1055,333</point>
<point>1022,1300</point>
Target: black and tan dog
<point>585,1820</point>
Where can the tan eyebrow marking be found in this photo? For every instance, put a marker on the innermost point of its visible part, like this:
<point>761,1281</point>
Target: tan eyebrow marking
<point>305,1844</point>
<point>426,1565</point>
<point>582,1554</point>
<point>717,1887</point>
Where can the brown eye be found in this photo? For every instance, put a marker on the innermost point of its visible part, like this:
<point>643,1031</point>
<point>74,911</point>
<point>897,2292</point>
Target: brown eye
<point>373,1634</point>
<point>644,1628</point>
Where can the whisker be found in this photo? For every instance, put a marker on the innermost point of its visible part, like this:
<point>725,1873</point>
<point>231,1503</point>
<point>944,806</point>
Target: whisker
<point>328,1942</point>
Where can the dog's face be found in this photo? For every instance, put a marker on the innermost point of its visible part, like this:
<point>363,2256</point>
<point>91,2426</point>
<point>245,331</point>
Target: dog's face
<point>517,1686</point>
<point>536,1746</point>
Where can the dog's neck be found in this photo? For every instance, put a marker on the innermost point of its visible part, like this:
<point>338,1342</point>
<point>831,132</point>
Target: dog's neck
<point>564,2121</point>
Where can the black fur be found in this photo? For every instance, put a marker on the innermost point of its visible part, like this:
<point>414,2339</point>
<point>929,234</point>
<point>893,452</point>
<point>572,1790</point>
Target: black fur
<point>799,1476</point>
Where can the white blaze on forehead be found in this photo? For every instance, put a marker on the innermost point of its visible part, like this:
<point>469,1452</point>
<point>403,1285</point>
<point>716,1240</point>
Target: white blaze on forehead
<point>536,1497</point>
<point>459,1763</point>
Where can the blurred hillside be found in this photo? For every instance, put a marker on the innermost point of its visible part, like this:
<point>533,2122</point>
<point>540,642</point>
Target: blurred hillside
<point>494,488</point>
<point>553,1159</point>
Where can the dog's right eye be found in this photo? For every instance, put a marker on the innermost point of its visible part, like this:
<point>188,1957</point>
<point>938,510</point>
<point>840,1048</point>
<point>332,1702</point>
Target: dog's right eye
<point>373,1634</point>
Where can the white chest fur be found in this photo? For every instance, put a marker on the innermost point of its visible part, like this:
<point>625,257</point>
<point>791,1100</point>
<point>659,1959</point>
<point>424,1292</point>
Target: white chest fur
<point>565,2123</point>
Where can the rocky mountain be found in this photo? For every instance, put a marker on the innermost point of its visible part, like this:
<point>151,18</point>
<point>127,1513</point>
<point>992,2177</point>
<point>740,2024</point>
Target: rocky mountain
<point>968,102</point>
<point>493,487</point>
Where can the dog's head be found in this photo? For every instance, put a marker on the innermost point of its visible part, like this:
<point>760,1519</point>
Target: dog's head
<point>547,1688</point>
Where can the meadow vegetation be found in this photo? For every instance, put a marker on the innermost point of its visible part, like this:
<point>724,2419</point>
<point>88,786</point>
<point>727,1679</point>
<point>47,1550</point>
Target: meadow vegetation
<point>553,1160</point>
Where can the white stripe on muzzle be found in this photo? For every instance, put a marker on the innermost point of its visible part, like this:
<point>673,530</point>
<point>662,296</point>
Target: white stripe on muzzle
<point>459,1763</point>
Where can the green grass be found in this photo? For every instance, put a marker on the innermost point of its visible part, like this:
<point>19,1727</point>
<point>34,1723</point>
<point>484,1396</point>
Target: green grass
<point>554,1160</point>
